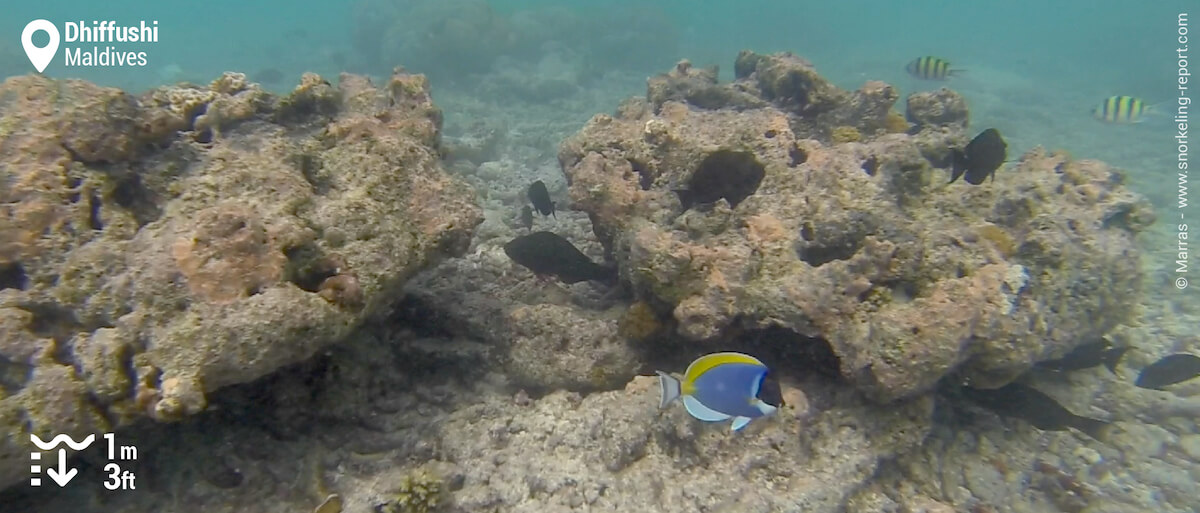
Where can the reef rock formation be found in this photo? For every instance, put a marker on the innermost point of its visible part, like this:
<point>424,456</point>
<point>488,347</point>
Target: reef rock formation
<point>542,335</point>
<point>729,215</point>
<point>156,249</point>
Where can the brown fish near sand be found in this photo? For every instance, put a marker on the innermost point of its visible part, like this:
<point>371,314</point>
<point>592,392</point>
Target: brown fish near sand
<point>547,254</point>
<point>1169,370</point>
<point>1032,405</point>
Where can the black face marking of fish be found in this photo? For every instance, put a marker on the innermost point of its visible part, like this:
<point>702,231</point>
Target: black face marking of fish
<point>540,197</point>
<point>527,217</point>
<point>1030,404</point>
<point>770,392</point>
<point>1170,370</point>
<point>546,253</point>
<point>981,158</point>
<point>1086,356</point>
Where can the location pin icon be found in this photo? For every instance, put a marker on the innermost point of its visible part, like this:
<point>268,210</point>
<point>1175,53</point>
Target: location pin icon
<point>40,57</point>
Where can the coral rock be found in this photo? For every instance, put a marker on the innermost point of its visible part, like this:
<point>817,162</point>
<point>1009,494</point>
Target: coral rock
<point>229,255</point>
<point>943,107</point>
<point>188,262</point>
<point>732,224</point>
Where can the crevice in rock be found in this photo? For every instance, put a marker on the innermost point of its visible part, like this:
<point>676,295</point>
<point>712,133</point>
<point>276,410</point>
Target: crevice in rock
<point>645,177</point>
<point>729,174</point>
<point>797,156</point>
<point>200,110</point>
<point>58,323</point>
<point>12,276</point>
<point>308,267</point>
<point>94,221</point>
<point>817,253</point>
<point>52,321</point>
<point>131,194</point>
<point>790,354</point>
<point>310,168</point>
<point>839,240</point>
<point>870,165</point>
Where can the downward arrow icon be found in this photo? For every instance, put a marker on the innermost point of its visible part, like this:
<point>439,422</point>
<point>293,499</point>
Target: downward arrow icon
<point>62,476</point>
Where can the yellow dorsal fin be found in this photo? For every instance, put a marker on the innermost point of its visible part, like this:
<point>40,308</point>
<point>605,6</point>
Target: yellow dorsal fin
<point>707,362</point>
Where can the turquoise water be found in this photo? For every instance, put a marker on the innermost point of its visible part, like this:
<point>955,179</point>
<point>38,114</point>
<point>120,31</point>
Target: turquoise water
<point>1033,70</point>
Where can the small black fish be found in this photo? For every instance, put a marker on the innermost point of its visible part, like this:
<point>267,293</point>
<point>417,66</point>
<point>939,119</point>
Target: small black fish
<point>1086,356</point>
<point>541,199</point>
<point>1030,404</point>
<point>1171,369</point>
<point>545,253</point>
<point>527,217</point>
<point>981,158</point>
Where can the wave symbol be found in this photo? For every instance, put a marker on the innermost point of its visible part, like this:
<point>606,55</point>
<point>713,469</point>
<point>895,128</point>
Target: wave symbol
<point>60,439</point>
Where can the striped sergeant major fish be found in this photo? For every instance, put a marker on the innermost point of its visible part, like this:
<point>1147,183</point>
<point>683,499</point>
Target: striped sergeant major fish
<point>931,68</point>
<point>1121,109</point>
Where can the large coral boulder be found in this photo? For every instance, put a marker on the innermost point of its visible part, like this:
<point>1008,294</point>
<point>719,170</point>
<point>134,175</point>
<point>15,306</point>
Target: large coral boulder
<point>156,249</point>
<point>732,218</point>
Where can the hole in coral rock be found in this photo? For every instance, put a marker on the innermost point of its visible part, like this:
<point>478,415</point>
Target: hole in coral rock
<point>12,276</point>
<point>870,165</point>
<point>817,255</point>
<point>904,290</point>
<point>790,354</point>
<point>200,110</point>
<point>838,240</point>
<point>94,221</point>
<point>770,134</point>
<point>645,177</point>
<point>733,175</point>
<point>307,267</point>
<point>797,156</point>
<point>130,194</point>
<point>128,191</point>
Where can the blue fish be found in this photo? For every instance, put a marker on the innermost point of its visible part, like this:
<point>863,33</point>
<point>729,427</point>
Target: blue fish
<point>723,386</point>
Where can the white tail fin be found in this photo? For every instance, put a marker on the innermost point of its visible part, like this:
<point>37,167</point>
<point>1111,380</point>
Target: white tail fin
<point>669,389</point>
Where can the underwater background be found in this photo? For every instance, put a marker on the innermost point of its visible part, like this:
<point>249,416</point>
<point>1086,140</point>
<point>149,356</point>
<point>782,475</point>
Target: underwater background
<point>306,292</point>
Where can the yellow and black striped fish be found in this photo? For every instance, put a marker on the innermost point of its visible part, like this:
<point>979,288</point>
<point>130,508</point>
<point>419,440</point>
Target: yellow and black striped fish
<point>931,68</point>
<point>1120,109</point>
